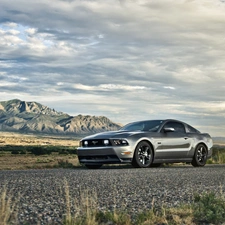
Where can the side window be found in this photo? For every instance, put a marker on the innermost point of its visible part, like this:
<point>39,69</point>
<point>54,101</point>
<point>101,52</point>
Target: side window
<point>178,127</point>
<point>191,129</point>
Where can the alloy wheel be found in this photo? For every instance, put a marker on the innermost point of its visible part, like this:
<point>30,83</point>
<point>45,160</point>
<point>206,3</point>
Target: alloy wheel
<point>144,154</point>
<point>201,154</point>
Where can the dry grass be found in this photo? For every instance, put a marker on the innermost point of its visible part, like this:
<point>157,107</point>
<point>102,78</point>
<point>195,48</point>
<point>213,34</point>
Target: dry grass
<point>87,213</point>
<point>85,208</point>
<point>7,208</point>
<point>180,215</point>
<point>8,138</point>
<point>20,162</point>
<point>207,208</point>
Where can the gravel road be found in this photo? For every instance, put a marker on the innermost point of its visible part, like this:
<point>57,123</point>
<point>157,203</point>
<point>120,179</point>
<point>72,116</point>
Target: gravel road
<point>40,194</point>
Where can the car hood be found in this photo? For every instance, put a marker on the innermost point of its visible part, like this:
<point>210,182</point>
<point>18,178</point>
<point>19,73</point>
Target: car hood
<point>112,134</point>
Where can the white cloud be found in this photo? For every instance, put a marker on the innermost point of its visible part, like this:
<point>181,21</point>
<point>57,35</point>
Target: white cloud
<point>13,77</point>
<point>168,87</point>
<point>31,31</point>
<point>4,84</point>
<point>121,87</point>
<point>131,59</point>
<point>10,24</point>
<point>13,32</point>
<point>109,87</point>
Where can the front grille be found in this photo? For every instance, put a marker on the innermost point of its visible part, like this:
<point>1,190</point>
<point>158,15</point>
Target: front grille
<point>96,143</point>
<point>99,159</point>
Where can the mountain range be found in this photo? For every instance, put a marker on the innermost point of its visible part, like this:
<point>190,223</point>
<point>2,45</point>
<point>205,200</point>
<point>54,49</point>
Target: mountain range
<point>33,117</point>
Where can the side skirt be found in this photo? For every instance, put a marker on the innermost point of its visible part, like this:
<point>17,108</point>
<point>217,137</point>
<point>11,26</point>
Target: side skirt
<point>188,160</point>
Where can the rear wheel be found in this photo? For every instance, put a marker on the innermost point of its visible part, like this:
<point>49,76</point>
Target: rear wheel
<point>200,156</point>
<point>143,155</point>
<point>94,166</point>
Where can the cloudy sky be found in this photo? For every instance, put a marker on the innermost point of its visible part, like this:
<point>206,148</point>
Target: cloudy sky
<point>127,60</point>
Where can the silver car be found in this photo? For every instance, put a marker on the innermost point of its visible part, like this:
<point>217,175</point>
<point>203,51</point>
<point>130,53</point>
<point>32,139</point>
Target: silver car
<point>147,144</point>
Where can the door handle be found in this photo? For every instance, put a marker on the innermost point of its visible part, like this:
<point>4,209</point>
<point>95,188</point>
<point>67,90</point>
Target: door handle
<point>186,138</point>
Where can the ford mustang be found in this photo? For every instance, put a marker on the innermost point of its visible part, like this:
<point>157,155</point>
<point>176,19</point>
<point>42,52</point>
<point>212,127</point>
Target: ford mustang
<point>147,144</point>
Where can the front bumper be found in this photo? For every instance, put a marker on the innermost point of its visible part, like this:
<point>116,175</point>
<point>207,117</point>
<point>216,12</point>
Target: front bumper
<point>105,155</point>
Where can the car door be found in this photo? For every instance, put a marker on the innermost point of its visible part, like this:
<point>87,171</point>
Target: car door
<point>174,142</point>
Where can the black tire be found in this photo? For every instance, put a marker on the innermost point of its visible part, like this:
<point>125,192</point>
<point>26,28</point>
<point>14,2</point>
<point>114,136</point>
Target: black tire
<point>143,155</point>
<point>97,166</point>
<point>200,156</point>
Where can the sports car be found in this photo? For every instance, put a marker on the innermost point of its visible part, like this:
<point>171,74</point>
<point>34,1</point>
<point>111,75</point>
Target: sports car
<point>147,144</point>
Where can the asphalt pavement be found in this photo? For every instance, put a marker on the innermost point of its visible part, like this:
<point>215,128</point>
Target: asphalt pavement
<point>39,196</point>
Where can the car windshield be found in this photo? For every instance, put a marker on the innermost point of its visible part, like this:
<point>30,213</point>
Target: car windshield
<point>150,125</point>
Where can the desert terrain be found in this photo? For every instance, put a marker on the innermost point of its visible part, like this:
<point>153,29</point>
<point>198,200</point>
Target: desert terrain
<point>8,138</point>
<point>9,161</point>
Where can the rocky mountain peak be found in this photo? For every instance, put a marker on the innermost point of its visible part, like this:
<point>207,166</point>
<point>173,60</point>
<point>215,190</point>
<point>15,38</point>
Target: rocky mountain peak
<point>22,116</point>
<point>16,106</point>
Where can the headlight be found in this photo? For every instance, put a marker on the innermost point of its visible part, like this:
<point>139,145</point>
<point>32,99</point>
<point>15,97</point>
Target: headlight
<point>119,142</point>
<point>106,142</point>
<point>83,143</point>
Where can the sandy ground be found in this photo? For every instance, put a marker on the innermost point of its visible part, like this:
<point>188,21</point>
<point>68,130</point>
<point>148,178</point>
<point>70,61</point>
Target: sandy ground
<point>23,162</point>
<point>8,138</point>
<point>28,161</point>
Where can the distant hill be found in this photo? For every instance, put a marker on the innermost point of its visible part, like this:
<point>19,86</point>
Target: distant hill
<point>219,140</point>
<point>21,116</point>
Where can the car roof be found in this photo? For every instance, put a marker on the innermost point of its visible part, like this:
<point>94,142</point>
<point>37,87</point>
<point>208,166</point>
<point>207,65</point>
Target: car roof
<point>164,120</point>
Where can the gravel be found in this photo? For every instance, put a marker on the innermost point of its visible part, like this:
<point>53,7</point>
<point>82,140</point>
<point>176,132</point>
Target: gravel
<point>40,195</point>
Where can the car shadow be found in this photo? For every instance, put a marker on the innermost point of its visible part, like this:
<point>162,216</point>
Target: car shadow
<point>164,166</point>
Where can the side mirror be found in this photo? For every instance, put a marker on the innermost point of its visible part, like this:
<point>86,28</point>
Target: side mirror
<point>169,129</point>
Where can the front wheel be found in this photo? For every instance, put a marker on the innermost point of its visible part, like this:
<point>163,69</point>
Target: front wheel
<point>200,156</point>
<point>143,155</point>
<point>93,166</point>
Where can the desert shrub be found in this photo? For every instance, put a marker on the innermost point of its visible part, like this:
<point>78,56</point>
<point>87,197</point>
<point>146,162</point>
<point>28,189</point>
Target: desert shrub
<point>42,150</point>
<point>63,152</point>
<point>73,151</point>
<point>51,148</point>
<point>39,151</point>
<point>218,155</point>
<point>218,150</point>
<point>209,208</point>
<point>210,161</point>
<point>23,152</point>
<point>15,152</point>
<point>113,217</point>
<point>66,150</point>
<point>64,164</point>
<point>9,148</point>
